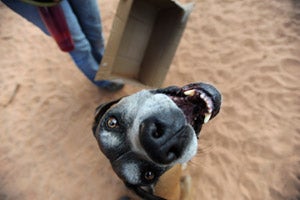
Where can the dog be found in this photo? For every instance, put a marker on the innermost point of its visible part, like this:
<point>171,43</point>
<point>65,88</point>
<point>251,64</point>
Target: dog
<point>153,133</point>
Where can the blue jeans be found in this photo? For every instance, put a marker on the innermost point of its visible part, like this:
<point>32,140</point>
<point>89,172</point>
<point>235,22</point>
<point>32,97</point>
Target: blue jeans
<point>84,22</point>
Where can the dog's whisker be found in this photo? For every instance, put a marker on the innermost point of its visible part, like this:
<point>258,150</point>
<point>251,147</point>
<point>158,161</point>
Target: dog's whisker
<point>192,163</point>
<point>205,149</point>
<point>200,163</point>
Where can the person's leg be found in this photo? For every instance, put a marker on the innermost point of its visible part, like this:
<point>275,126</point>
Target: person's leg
<point>82,54</point>
<point>89,18</point>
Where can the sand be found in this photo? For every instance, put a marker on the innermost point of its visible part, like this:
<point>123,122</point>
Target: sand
<point>250,50</point>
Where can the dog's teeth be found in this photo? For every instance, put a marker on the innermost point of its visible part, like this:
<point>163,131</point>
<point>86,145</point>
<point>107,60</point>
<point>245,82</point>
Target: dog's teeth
<point>190,92</point>
<point>209,106</point>
<point>207,117</point>
<point>202,95</point>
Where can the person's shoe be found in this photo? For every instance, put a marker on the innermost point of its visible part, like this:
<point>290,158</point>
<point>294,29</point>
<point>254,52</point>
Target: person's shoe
<point>111,85</point>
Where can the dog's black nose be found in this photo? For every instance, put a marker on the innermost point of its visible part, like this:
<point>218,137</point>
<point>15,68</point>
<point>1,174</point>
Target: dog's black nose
<point>164,142</point>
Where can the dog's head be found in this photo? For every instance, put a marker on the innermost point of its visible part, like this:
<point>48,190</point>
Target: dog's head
<point>146,133</point>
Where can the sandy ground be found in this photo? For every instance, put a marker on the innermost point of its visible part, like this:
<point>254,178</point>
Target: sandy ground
<point>248,49</point>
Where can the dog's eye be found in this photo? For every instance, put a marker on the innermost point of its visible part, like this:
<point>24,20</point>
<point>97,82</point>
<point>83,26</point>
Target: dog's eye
<point>149,175</point>
<point>112,122</point>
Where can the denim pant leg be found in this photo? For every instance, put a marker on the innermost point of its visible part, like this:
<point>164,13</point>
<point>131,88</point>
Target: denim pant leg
<point>88,15</point>
<point>82,54</point>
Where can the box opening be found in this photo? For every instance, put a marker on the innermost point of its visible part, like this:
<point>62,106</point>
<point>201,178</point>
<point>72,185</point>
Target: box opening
<point>145,41</point>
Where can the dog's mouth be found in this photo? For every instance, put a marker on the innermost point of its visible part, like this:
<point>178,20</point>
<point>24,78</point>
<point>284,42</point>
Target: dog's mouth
<point>199,102</point>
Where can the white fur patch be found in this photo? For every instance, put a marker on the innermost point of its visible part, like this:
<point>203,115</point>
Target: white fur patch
<point>109,140</point>
<point>131,172</point>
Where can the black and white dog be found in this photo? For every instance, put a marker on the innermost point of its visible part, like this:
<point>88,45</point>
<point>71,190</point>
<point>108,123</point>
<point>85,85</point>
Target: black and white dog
<point>145,134</point>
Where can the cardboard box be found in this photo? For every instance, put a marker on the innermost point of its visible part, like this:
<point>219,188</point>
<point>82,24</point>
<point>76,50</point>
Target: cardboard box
<point>143,41</point>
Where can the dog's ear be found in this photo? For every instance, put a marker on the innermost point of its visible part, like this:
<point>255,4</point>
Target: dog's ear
<point>100,110</point>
